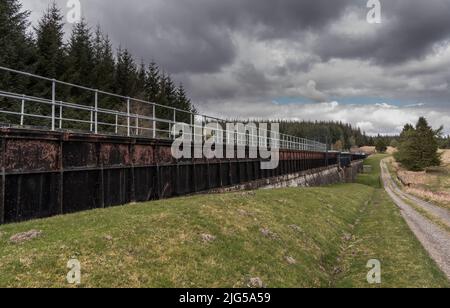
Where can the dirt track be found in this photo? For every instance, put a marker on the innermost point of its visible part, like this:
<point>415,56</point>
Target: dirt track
<point>434,238</point>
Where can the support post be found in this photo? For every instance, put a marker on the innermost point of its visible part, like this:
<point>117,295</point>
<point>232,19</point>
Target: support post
<point>174,122</point>
<point>128,118</point>
<point>53,103</point>
<point>22,111</point>
<point>96,113</point>
<point>154,121</point>
<point>60,116</point>
<point>137,126</point>
<point>92,121</point>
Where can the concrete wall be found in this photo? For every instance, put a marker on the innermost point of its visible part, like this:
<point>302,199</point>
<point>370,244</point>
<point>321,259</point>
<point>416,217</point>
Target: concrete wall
<point>309,178</point>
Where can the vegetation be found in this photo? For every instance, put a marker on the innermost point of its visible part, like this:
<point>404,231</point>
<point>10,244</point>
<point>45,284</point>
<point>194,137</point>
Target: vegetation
<point>341,136</point>
<point>87,59</point>
<point>381,145</point>
<point>444,142</point>
<point>419,145</point>
<point>432,185</point>
<point>330,233</point>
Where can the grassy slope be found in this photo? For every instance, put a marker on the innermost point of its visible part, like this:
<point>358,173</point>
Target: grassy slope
<point>158,244</point>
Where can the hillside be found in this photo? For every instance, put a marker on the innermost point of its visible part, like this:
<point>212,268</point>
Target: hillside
<point>314,237</point>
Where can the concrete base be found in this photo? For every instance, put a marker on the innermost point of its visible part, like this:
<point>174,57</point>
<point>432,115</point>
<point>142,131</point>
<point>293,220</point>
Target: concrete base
<point>315,177</point>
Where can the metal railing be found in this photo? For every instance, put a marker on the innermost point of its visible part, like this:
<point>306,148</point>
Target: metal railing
<point>132,117</point>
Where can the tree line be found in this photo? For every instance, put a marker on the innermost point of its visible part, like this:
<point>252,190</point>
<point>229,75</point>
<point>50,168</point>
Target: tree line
<point>87,59</point>
<point>340,135</point>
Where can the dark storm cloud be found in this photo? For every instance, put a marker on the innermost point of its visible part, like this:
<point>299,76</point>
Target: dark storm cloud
<point>196,35</point>
<point>237,56</point>
<point>410,29</point>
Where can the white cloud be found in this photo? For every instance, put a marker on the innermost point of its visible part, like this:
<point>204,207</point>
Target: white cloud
<point>373,119</point>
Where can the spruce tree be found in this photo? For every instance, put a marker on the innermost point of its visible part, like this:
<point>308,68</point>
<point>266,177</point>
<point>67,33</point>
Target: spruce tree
<point>50,59</point>
<point>141,81</point>
<point>80,59</point>
<point>418,147</point>
<point>79,71</point>
<point>428,144</point>
<point>170,92</point>
<point>182,102</point>
<point>152,84</point>
<point>126,75</point>
<point>17,48</point>
<point>104,63</point>
<point>49,43</point>
<point>16,52</point>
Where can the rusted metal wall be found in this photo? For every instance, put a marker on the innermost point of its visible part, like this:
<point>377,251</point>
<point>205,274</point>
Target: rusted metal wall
<point>50,173</point>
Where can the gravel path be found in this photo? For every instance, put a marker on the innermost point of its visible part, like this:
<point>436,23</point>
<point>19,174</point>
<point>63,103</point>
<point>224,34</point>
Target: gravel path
<point>439,212</point>
<point>435,240</point>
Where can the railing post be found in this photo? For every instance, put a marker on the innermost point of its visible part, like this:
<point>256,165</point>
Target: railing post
<point>174,122</point>
<point>154,121</point>
<point>53,103</point>
<point>22,112</point>
<point>92,120</point>
<point>137,125</point>
<point>60,116</point>
<point>117,124</point>
<point>96,113</point>
<point>192,128</point>
<point>128,117</point>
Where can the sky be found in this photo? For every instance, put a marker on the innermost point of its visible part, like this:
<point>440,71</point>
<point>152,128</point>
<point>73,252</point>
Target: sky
<point>291,59</point>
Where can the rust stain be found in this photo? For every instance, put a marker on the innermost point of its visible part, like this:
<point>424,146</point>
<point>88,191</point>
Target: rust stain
<point>31,155</point>
<point>143,155</point>
<point>165,154</point>
<point>112,154</point>
<point>80,154</point>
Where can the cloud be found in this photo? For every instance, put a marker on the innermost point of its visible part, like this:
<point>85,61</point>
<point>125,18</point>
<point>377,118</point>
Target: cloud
<point>314,94</point>
<point>248,53</point>
<point>373,119</point>
<point>410,30</point>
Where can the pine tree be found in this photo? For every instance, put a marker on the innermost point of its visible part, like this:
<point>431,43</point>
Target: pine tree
<point>152,84</point>
<point>161,97</point>
<point>170,92</point>
<point>16,51</point>
<point>50,58</point>
<point>79,71</point>
<point>427,143</point>
<point>184,103</point>
<point>418,147</point>
<point>80,59</point>
<point>141,81</point>
<point>17,48</point>
<point>104,63</point>
<point>126,75</point>
<point>49,43</point>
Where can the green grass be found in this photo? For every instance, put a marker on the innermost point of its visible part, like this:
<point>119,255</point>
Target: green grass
<point>372,179</point>
<point>158,244</point>
<point>382,234</point>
